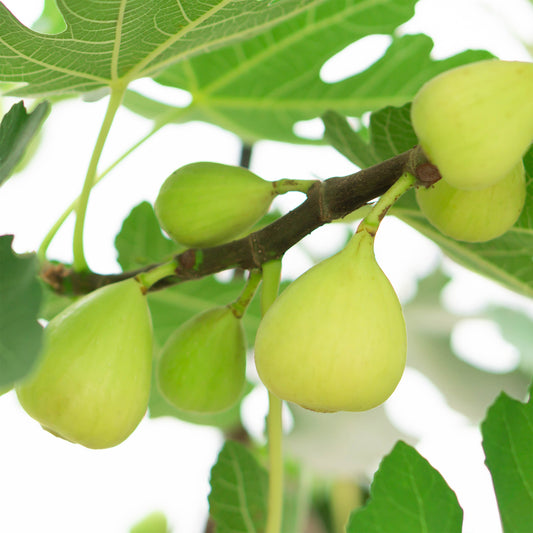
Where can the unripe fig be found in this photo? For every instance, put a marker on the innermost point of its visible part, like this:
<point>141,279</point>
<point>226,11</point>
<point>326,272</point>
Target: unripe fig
<point>205,204</point>
<point>155,522</point>
<point>475,216</point>
<point>475,122</point>
<point>335,339</point>
<point>202,365</point>
<point>92,383</point>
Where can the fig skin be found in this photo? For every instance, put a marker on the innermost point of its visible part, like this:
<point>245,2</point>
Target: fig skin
<point>335,339</point>
<point>202,365</point>
<point>475,122</point>
<point>205,204</point>
<point>475,216</point>
<point>92,382</point>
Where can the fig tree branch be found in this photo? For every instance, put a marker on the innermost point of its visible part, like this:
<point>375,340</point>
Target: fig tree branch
<point>327,200</point>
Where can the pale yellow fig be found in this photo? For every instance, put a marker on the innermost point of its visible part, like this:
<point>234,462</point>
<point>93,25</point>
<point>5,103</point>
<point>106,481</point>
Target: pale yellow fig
<point>475,216</point>
<point>475,122</point>
<point>155,522</point>
<point>335,339</point>
<point>202,366</point>
<point>205,204</point>
<point>92,383</point>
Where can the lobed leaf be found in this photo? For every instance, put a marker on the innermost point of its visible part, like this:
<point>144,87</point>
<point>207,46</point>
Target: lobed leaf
<point>238,498</point>
<point>288,59</point>
<point>114,42</point>
<point>407,496</point>
<point>20,298</point>
<point>507,437</point>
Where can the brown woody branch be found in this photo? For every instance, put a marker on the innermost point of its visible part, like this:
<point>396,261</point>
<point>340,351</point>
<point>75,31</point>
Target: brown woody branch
<point>326,201</point>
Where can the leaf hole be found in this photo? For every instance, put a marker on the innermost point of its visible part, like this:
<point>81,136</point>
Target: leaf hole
<point>355,58</point>
<point>161,93</point>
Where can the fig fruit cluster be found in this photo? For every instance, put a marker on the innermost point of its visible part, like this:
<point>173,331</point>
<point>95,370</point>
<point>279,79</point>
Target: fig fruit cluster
<point>92,382</point>
<point>335,339</point>
<point>475,123</point>
<point>205,204</point>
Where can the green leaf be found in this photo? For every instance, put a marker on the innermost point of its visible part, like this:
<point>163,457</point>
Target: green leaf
<point>155,522</point>
<point>140,241</point>
<point>287,60</point>
<point>17,130</point>
<point>407,496</point>
<point>390,133</point>
<point>20,298</point>
<point>115,42</point>
<point>238,498</point>
<point>507,437</point>
<point>506,259</point>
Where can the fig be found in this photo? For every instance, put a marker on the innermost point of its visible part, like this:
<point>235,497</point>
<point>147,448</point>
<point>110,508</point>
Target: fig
<point>475,216</point>
<point>205,204</point>
<point>202,365</point>
<point>92,382</point>
<point>335,339</point>
<point>475,122</point>
<point>155,522</point>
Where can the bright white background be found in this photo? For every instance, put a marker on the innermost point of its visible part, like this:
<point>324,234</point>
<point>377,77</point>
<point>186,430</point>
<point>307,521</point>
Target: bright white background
<point>49,485</point>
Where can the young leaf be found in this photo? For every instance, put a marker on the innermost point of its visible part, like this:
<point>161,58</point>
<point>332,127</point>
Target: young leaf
<point>507,437</point>
<point>17,129</point>
<point>407,496</point>
<point>390,133</point>
<point>115,42</point>
<point>140,240</point>
<point>238,498</point>
<point>20,298</point>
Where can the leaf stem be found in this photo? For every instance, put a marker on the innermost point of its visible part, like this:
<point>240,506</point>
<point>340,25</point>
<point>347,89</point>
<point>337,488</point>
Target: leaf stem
<point>43,248</point>
<point>271,277</point>
<point>243,301</point>
<point>371,222</point>
<point>80,263</point>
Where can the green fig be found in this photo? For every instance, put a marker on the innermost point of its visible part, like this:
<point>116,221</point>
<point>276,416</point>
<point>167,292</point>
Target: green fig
<point>475,122</point>
<point>475,216</point>
<point>335,339</point>
<point>205,204</point>
<point>5,389</point>
<point>202,365</point>
<point>92,383</point>
<point>155,522</point>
